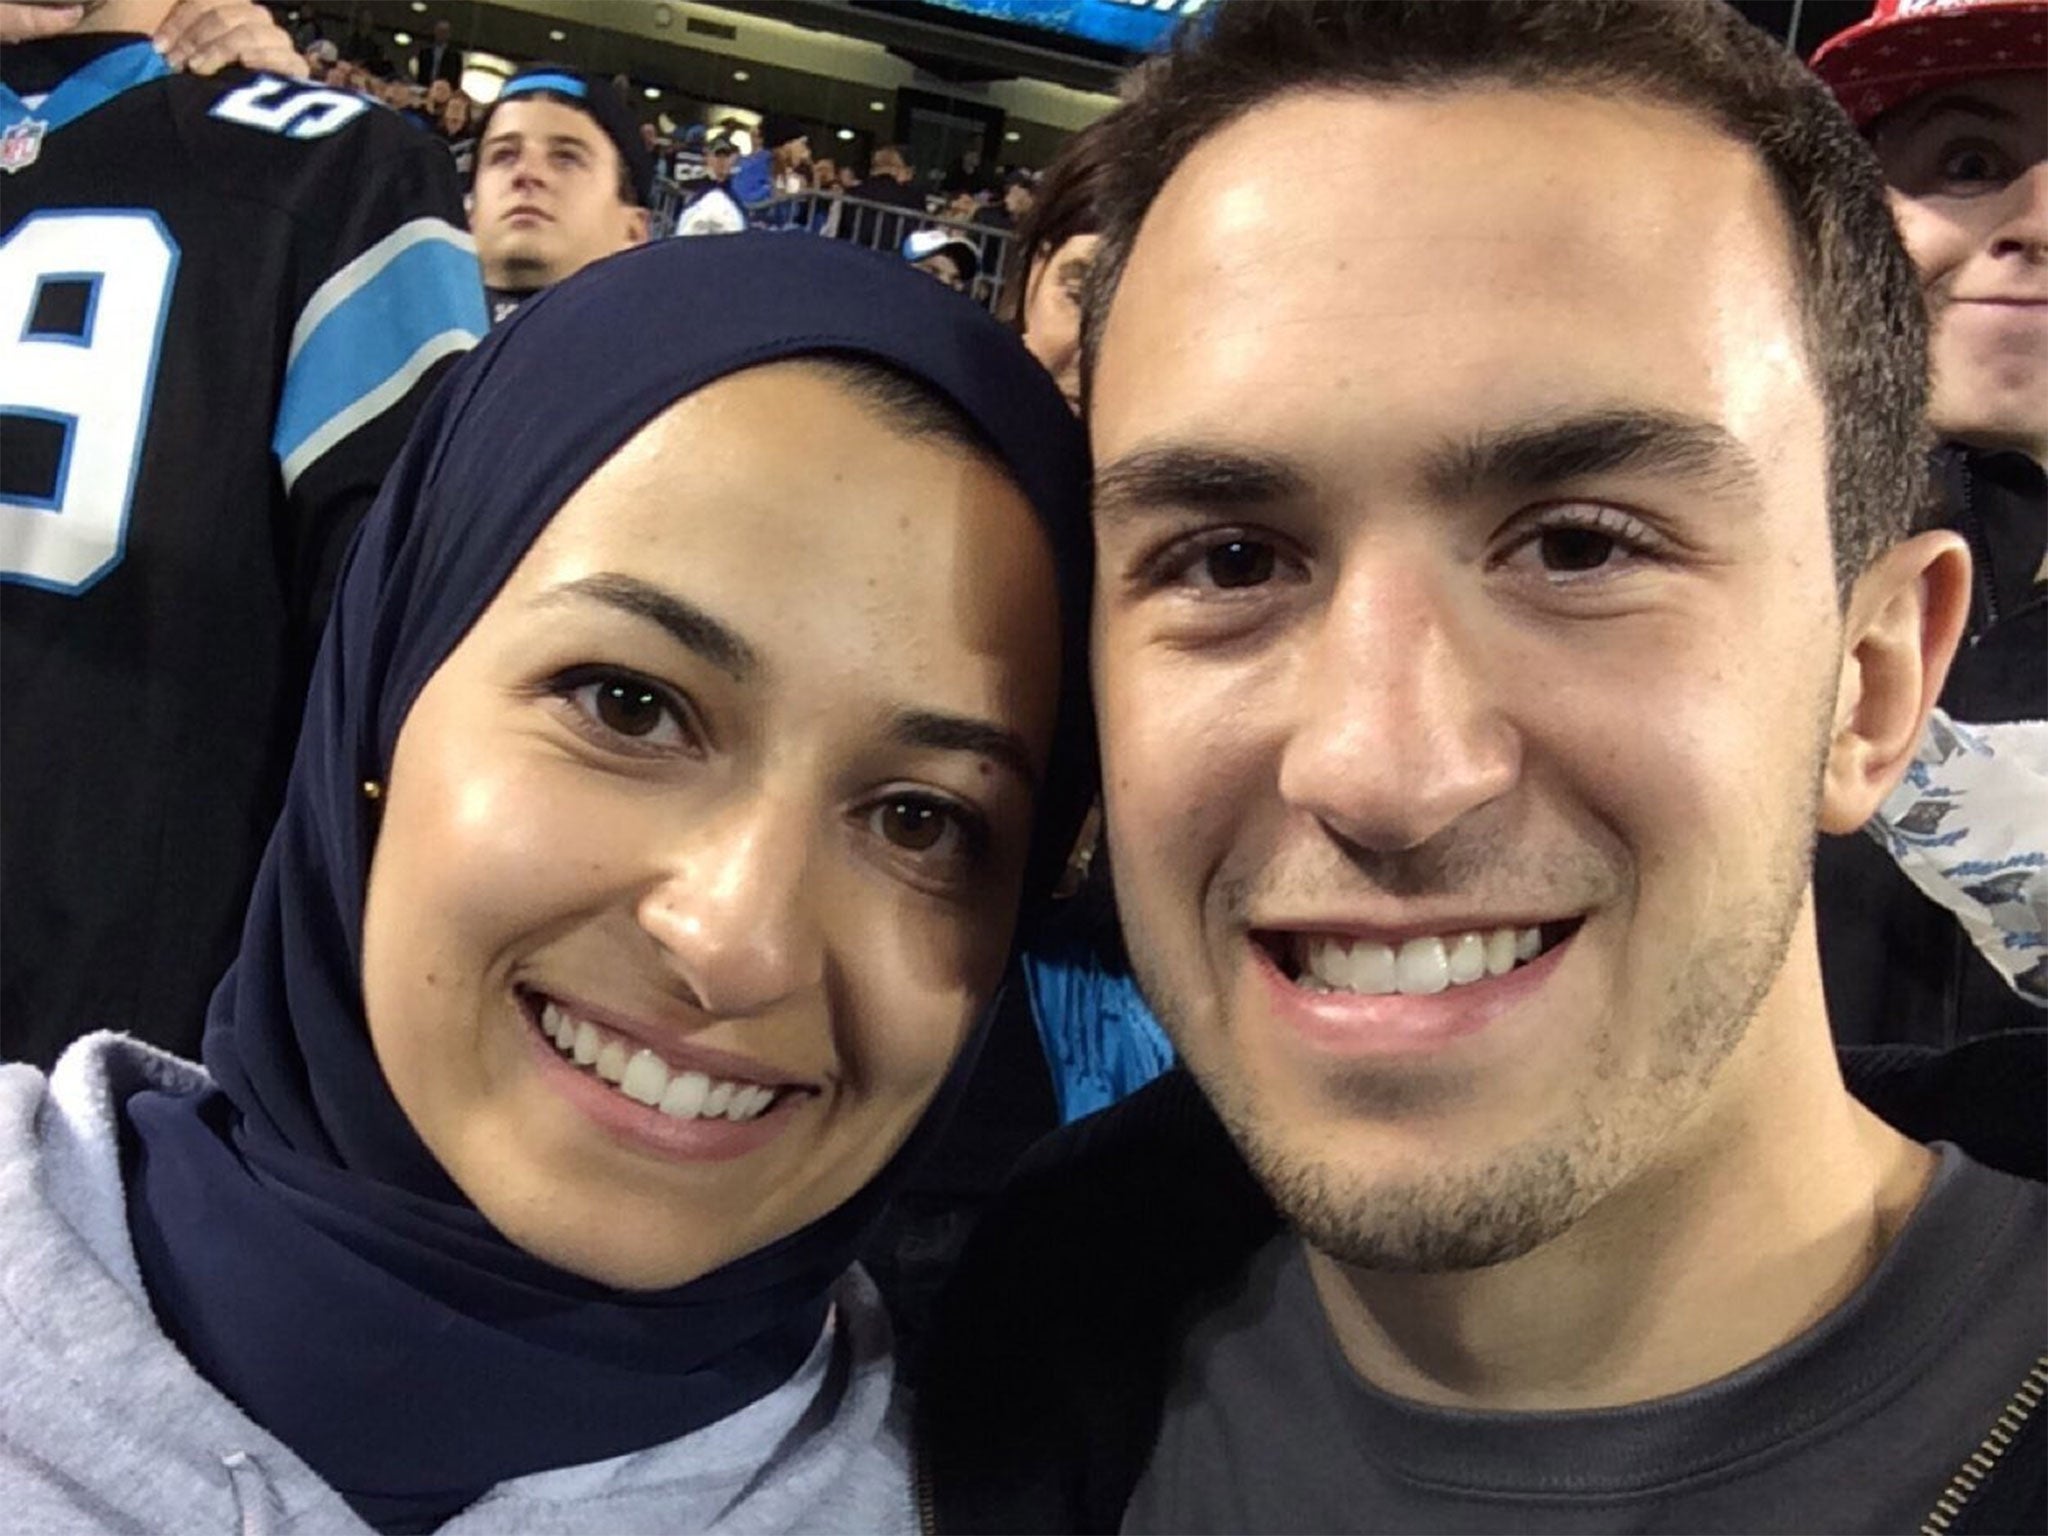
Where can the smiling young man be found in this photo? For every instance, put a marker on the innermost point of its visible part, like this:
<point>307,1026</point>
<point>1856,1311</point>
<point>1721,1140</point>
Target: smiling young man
<point>562,179</point>
<point>1503,574</point>
<point>1953,96</point>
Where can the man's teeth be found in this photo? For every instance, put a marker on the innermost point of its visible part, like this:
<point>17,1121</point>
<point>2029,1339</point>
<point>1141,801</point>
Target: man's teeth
<point>1418,967</point>
<point>641,1075</point>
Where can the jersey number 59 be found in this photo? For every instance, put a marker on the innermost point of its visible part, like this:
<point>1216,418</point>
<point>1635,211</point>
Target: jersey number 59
<point>83,298</point>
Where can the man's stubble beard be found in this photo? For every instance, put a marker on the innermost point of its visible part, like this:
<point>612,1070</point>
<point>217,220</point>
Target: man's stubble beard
<point>1527,1194</point>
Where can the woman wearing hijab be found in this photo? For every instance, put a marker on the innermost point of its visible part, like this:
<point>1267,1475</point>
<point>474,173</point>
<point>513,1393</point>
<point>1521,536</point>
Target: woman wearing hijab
<point>663,811</point>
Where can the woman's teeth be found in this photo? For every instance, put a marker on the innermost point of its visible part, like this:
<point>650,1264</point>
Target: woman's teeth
<point>1418,967</point>
<point>643,1076</point>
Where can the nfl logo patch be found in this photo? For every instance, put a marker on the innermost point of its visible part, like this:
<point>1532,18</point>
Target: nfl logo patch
<point>21,143</point>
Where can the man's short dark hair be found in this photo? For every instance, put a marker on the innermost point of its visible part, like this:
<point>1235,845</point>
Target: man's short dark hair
<point>1864,322</point>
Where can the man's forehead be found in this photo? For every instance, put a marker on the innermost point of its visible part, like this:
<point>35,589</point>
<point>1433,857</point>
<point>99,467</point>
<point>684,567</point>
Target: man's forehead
<point>1462,259</point>
<point>550,120</point>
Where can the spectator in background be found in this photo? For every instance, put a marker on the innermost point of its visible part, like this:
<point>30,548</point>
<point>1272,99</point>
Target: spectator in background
<point>660,149</point>
<point>1049,259</point>
<point>405,98</point>
<point>562,179</point>
<point>946,256</point>
<point>892,179</point>
<point>356,80</point>
<point>1020,188</point>
<point>968,175</point>
<point>1001,216</point>
<point>321,57</point>
<point>457,116</point>
<point>720,155</point>
<point>247,288</point>
<point>1954,99</point>
<point>435,101</point>
<point>713,209</point>
<point>438,59</point>
<point>891,182</point>
<point>778,164</point>
<point>823,176</point>
<point>361,46</point>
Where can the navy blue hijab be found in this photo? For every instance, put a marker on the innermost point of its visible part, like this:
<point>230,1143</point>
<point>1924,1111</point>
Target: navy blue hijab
<point>298,1241</point>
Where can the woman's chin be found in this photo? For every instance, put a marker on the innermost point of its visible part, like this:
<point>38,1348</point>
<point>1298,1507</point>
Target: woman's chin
<point>607,1260</point>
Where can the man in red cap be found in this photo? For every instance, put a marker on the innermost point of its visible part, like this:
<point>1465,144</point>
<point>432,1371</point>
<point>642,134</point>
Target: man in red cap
<point>1953,96</point>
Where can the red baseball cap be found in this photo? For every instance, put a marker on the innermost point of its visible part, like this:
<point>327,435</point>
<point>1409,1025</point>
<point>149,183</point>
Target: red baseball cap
<point>1907,47</point>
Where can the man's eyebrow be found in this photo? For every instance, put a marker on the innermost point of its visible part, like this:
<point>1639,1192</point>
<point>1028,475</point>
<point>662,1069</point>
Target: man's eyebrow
<point>690,625</point>
<point>964,733</point>
<point>1193,476</point>
<point>1542,454</point>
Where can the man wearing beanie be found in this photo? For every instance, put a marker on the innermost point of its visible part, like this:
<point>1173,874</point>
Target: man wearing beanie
<point>1953,97</point>
<point>562,179</point>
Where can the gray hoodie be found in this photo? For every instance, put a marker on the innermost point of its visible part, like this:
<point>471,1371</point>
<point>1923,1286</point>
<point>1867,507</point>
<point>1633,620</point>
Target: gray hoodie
<point>105,1429</point>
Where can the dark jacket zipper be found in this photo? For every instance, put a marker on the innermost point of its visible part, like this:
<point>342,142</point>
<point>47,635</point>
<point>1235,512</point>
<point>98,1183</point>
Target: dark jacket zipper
<point>1982,1462</point>
<point>921,1483</point>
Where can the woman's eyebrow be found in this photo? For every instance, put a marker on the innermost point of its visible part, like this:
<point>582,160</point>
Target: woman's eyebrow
<point>964,733</point>
<point>690,625</point>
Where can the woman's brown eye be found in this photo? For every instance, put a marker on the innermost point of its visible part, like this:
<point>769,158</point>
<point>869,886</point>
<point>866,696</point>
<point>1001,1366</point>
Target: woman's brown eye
<point>631,709</point>
<point>913,825</point>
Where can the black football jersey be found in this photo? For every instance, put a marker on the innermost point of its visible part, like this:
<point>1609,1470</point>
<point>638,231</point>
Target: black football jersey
<point>222,302</point>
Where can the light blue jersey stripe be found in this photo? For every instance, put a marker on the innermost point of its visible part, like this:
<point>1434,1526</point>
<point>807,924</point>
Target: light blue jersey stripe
<point>362,345</point>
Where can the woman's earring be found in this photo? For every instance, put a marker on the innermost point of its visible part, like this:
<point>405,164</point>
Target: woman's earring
<point>1075,875</point>
<point>373,789</point>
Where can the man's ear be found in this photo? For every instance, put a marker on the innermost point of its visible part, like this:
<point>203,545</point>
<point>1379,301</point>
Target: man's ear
<point>1905,618</point>
<point>637,226</point>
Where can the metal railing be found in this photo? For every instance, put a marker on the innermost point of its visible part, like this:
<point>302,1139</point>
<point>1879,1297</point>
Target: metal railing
<point>846,216</point>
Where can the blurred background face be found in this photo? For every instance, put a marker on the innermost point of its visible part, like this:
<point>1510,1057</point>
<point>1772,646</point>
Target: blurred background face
<point>1968,172</point>
<point>942,266</point>
<point>1396,537</point>
<point>1052,311</point>
<point>547,200</point>
<point>701,853</point>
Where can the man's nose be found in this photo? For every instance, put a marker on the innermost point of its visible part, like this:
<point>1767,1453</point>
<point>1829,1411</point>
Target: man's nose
<point>1395,730</point>
<point>735,909</point>
<point>2022,228</point>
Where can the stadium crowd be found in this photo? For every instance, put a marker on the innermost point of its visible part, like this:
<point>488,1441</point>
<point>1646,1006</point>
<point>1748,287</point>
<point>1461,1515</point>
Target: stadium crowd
<point>709,179</point>
<point>692,841</point>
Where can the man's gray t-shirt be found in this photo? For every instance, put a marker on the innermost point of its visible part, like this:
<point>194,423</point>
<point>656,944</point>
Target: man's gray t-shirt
<point>1858,1425</point>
